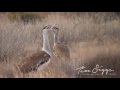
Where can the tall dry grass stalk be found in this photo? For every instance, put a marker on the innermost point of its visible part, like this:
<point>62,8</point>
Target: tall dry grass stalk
<point>92,39</point>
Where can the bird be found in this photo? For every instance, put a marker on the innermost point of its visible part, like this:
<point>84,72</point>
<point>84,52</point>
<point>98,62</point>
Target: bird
<point>39,59</point>
<point>60,50</point>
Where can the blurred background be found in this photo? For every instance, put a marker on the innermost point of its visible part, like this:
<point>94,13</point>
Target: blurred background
<point>92,37</point>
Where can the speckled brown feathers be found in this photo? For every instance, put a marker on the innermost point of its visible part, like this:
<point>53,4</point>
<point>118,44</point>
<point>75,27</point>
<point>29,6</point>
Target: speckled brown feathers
<point>61,51</point>
<point>33,62</point>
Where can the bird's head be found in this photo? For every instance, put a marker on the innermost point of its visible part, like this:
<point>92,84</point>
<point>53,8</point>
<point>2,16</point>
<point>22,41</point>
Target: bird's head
<point>54,29</point>
<point>46,29</point>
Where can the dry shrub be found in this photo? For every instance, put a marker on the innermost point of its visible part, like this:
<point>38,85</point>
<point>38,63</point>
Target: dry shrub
<point>91,39</point>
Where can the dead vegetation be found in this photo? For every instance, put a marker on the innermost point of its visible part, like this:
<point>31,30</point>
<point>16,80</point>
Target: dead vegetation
<point>92,39</point>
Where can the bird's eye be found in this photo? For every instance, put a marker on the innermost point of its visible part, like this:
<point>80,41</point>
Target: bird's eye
<point>45,27</point>
<point>55,28</point>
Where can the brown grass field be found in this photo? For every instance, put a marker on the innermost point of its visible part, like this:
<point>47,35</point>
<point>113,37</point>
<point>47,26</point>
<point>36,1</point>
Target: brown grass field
<point>92,39</point>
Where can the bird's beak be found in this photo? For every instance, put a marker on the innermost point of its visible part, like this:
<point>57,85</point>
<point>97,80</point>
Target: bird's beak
<point>52,26</point>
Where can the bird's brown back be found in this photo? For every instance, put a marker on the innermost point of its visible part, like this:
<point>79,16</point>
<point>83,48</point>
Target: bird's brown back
<point>32,62</point>
<point>62,51</point>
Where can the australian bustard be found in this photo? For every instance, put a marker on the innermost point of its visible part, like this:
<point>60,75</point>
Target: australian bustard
<point>60,50</point>
<point>39,59</point>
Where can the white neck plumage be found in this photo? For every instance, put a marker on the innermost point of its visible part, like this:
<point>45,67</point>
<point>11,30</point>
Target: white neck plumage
<point>56,38</point>
<point>46,45</point>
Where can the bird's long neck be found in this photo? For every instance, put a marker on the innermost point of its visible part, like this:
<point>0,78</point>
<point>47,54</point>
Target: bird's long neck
<point>56,38</point>
<point>46,45</point>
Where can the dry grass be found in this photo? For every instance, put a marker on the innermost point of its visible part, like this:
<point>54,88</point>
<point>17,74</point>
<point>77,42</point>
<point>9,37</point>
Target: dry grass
<point>92,39</point>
